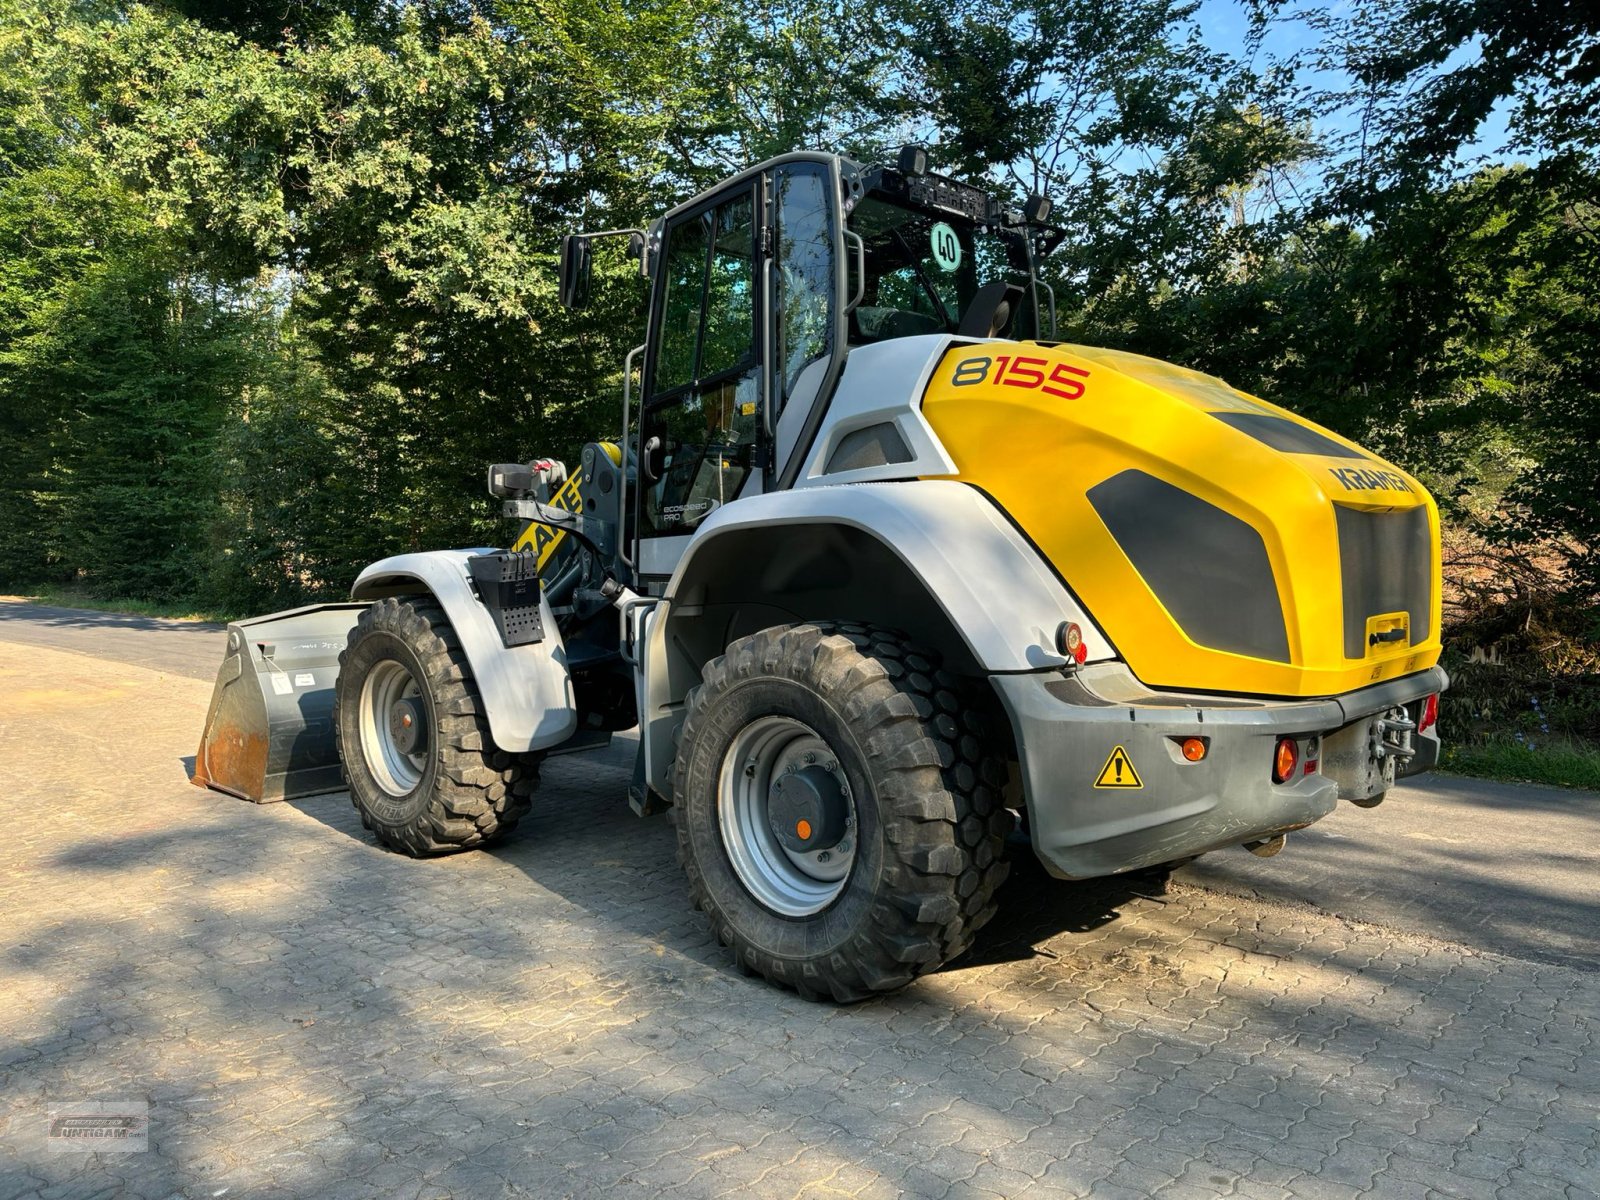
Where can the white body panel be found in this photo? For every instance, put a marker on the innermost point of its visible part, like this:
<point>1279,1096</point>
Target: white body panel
<point>526,691</point>
<point>882,384</point>
<point>983,573</point>
<point>660,555</point>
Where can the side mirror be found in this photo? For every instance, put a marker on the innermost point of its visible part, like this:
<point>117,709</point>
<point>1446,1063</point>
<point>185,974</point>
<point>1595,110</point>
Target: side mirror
<point>576,261</point>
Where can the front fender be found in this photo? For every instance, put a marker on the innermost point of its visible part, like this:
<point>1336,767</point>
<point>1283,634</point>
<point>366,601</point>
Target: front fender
<point>526,690</point>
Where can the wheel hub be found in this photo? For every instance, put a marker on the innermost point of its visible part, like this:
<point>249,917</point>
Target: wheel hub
<point>393,720</point>
<point>407,725</point>
<point>807,810</point>
<point>787,816</point>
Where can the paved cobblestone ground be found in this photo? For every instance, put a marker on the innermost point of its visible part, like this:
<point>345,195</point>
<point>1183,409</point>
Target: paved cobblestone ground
<point>310,1016</point>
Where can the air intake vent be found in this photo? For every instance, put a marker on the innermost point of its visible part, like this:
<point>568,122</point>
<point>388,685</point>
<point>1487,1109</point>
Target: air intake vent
<point>1208,568</point>
<point>874,446</point>
<point>1386,563</point>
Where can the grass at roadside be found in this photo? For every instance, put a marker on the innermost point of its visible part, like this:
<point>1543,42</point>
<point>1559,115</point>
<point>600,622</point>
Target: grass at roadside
<point>66,597</point>
<point>1563,764</point>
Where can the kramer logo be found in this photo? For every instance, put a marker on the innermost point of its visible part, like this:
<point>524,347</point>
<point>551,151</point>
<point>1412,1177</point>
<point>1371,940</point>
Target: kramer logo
<point>119,1127</point>
<point>1363,479</point>
<point>544,539</point>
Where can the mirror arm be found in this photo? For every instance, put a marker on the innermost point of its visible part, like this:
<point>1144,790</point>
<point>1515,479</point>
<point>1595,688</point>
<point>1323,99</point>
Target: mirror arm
<point>638,239</point>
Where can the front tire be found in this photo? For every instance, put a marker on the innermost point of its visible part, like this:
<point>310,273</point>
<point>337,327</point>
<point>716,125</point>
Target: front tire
<point>421,766</point>
<point>855,739</point>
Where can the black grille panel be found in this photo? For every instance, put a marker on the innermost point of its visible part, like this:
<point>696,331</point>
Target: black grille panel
<point>1207,567</point>
<point>1284,435</point>
<point>1386,563</point>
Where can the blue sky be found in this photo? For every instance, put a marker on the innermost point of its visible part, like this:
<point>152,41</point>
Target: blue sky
<point>1225,25</point>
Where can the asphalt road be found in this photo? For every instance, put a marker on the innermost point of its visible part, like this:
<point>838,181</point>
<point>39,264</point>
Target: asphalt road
<point>1508,868</point>
<point>191,648</point>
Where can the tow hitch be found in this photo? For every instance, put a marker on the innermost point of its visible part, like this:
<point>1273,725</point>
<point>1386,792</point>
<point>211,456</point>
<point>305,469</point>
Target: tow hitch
<point>1365,756</point>
<point>1391,736</point>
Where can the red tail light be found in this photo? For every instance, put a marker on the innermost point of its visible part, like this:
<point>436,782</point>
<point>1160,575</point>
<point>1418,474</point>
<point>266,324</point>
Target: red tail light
<point>1430,713</point>
<point>1069,639</point>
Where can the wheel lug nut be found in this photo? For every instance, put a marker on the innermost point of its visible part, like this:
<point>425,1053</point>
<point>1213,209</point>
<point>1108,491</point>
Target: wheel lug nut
<point>823,856</point>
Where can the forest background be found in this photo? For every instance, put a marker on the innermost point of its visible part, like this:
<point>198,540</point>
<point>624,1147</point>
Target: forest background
<point>277,278</point>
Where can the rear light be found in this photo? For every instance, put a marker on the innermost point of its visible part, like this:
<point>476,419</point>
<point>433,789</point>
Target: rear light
<point>1194,749</point>
<point>1430,713</point>
<point>1284,759</point>
<point>1069,639</point>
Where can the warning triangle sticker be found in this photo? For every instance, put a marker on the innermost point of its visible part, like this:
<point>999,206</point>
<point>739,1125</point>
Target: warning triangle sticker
<point>1118,772</point>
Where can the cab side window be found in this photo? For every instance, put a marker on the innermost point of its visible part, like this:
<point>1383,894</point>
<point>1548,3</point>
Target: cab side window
<point>805,278</point>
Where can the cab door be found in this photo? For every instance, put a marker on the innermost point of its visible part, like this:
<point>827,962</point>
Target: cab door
<point>747,337</point>
<point>701,426</point>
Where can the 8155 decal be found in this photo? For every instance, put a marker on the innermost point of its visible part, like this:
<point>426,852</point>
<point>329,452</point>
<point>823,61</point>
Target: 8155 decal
<point>1022,371</point>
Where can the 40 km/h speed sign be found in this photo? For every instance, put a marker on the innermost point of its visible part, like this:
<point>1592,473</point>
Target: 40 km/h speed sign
<point>946,247</point>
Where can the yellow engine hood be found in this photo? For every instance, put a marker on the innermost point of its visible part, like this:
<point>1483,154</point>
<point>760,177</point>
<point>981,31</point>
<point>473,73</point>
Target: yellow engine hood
<point>1220,542</point>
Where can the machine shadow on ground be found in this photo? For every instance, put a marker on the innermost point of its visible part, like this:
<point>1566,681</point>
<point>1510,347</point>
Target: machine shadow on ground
<point>580,814</point>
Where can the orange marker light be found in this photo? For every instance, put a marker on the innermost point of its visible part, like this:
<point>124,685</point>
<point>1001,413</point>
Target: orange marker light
<point>1194,749</point>
<point>803,828</point>
<point>1285,759</point>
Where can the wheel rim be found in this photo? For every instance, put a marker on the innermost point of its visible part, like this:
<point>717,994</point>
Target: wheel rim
<point>792,883</point>
<point>391,708</point>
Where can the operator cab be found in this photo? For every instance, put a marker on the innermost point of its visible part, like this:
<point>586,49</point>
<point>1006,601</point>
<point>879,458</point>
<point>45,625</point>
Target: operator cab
<point>761,287</point>
<point>937,259</point>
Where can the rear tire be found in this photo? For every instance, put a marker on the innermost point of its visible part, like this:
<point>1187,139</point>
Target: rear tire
<point>431,781</point>
<point>910,749</point>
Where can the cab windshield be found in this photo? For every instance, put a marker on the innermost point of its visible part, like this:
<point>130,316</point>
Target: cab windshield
<point>923,269</point>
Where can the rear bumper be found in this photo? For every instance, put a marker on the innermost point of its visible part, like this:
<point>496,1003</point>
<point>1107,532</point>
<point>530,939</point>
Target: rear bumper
<point>1068,728</point>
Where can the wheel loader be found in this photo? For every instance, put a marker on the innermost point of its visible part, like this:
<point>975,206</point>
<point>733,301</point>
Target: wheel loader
<point>885,576</point>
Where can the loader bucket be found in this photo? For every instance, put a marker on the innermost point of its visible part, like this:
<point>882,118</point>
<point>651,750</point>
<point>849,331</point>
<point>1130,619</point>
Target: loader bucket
<point>269,731</point>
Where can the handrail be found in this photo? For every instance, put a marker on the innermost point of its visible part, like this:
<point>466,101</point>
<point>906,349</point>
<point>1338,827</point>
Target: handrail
<point>1041,283</point>
<point>622,490</point>
<point>861,268</point>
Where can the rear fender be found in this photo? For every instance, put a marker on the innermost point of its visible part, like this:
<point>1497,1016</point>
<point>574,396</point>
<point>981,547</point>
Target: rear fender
<point>933,558</point>
<point>526,690</point>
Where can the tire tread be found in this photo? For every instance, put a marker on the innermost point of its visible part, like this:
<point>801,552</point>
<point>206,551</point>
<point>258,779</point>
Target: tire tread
<point>478,792</point>
<point>939,795</point>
